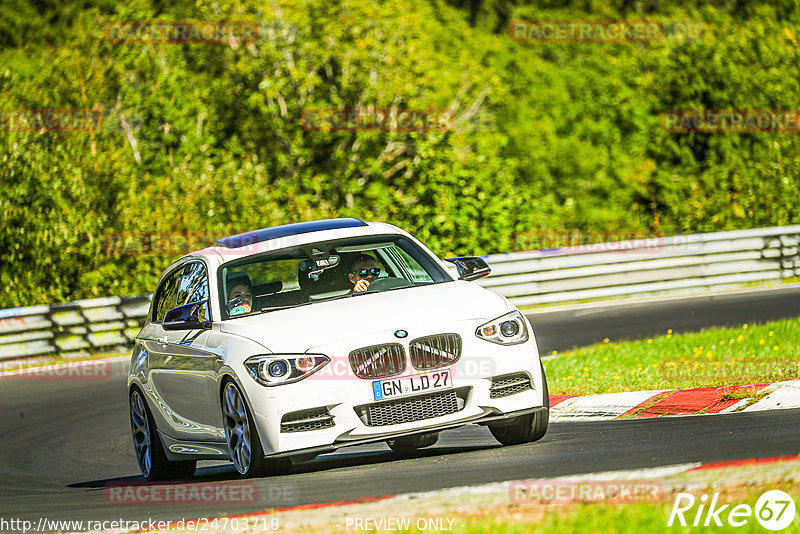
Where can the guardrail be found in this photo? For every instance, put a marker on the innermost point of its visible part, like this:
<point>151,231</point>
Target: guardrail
<point>642,266</point>
<point>85,325</point>
<point>527,278</point>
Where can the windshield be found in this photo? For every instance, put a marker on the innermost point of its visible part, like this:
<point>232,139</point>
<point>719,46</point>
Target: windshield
<point>322,271</point>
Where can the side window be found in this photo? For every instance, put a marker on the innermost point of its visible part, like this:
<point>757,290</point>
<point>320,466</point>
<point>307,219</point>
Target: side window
<point>185,286</point>
<point>166,296</point>
<point>193,284</point>
<point>193,287</point>
<point>411,266</point>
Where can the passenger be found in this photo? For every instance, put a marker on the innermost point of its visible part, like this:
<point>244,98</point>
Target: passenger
<point>240,295</point>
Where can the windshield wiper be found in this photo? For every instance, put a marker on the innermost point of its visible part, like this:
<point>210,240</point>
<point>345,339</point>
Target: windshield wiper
<point>277,308</point>
<point>337,297</point>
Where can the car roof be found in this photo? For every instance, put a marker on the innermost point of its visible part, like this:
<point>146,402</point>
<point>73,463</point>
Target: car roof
<point>278,237</point>
<point>275,232</point>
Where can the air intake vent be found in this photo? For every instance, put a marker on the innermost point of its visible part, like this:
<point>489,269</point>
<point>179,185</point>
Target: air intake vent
<point>432,352</point>
<point>503,386</point>
<point>378,361</point>
<point>417,408</point>
<point>305,420</point>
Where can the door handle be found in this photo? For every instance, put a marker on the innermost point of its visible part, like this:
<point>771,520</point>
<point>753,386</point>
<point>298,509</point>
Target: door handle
<point>162,340</point>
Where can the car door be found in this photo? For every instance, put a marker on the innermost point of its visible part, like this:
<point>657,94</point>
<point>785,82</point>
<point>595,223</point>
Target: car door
<point>183,372</point>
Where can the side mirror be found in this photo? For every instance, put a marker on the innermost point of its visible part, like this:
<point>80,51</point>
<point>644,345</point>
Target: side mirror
<point>470,267</point>
<point>187,317</point>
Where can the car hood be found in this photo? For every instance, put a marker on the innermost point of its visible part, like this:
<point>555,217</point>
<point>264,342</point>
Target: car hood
<point>296,330</point>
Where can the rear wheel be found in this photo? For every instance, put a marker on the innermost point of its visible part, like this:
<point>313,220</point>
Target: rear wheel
<point>244,445</point>
<point>150,455</point>
<point>525,428</point>
<point>407,444</point>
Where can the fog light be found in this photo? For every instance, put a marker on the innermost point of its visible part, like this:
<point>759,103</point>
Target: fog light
<point>509,328</point>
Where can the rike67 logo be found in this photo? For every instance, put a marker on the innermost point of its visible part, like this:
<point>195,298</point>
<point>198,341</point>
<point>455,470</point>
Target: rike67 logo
<point>774,510</point>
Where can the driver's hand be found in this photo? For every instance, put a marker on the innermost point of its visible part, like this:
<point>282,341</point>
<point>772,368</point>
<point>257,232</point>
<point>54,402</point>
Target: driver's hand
<point>361,286</point>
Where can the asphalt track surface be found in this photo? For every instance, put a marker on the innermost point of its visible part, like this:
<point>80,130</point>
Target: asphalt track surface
<point>62,442</point>
<point>563,330</point>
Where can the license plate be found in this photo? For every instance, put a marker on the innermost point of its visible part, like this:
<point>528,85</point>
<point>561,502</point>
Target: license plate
<point>388,389</point>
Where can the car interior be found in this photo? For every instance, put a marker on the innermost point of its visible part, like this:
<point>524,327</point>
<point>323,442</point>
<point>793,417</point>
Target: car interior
<point>321,275</point>
<point>324,284</point>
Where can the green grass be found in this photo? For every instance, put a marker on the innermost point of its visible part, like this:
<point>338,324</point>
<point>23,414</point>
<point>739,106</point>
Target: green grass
<point>749,354</point>
<point>612,519</point>
<point>603,517</point>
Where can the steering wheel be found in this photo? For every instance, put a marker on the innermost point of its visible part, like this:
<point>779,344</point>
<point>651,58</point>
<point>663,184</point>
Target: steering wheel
<point>388,282</point>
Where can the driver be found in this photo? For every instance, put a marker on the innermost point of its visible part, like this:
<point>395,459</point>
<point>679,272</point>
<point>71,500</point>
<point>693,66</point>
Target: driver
<point>240,295</point>
<point>363,268</point>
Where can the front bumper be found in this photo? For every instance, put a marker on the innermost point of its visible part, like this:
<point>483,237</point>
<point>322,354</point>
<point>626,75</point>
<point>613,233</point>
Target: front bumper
<point>481,420</point>
<point>344,399</point>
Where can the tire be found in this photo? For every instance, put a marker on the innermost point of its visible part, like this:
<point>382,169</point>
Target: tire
<point>408,444</point>
<point>525,428</point>
<point>244,445</point>
<point>150,455</point>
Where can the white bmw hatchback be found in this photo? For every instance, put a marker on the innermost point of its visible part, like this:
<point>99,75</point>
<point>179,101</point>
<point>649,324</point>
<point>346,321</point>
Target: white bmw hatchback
<point>293,341</point>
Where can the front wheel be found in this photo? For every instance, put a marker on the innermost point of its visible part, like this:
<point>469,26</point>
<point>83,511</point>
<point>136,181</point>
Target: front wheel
<point>150,455</point>
<point>244,446</point>
<point>525,428</point>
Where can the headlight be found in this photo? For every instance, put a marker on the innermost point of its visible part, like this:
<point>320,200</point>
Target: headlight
<point>277,369</point>
<point>508,329</point>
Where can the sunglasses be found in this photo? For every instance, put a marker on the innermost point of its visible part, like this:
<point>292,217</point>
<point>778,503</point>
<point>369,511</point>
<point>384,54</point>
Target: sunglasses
<point>368,272</point>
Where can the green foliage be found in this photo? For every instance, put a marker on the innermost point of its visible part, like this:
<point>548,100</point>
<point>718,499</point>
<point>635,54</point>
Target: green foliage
<point>208,139</point>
